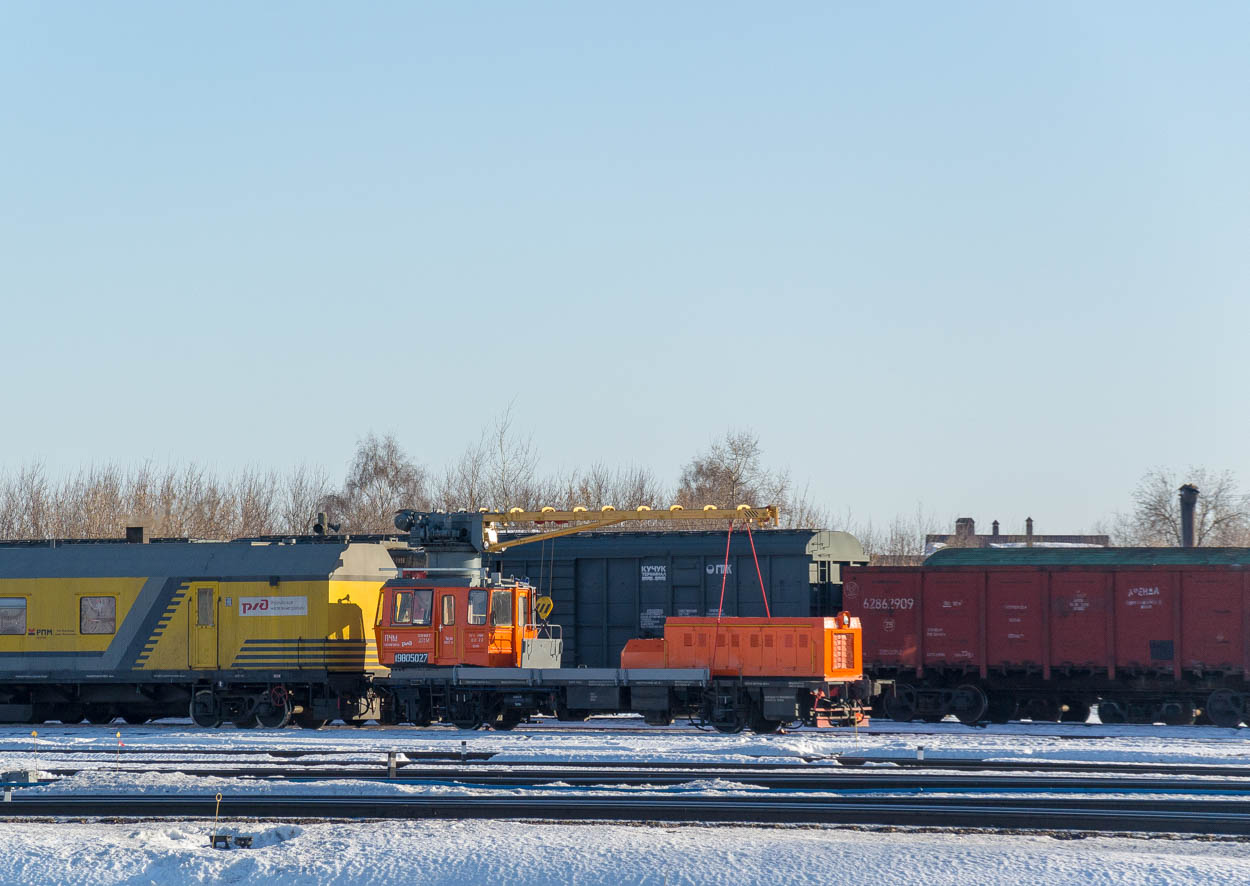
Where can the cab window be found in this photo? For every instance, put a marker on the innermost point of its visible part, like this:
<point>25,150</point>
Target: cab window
<point>423,606</point>
<point>12,615</point>
<point>205,601</point>
<point>477,607</point>
<point>501,608</point>
<point>403,608</point>
<point>449,609</point>
<point>97,615</point>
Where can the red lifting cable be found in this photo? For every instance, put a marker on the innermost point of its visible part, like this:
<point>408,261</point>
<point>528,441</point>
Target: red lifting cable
<point>759,575</point>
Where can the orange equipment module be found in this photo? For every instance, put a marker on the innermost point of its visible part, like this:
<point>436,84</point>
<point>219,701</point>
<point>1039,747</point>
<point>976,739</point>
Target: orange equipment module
<point>824,648</point>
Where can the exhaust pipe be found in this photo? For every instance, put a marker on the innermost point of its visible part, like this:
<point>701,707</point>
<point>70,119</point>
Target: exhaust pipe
<point>1189,498</point>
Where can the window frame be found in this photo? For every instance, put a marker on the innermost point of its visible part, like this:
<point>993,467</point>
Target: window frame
<point>82,618</point>
<point>209,594</point>
<point>480,597</point>
<point>447,611</point>
<point>8,603</point>
<point>400,597</point>
<point>429,606</point>
<point>501,595</point>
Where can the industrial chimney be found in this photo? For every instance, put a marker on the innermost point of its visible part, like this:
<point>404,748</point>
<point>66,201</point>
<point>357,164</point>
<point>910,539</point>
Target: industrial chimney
<point>1189,497</point>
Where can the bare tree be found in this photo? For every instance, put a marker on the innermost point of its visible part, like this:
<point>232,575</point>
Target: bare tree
<point>732,472</point>
<point>463,484</point>
<point>303,494</point>
<point>729,473</point>
<point>498,472</point>
<point>602,486</point>
<point>381,480</point>
<point>798,511</point>
<point>901,542</point>
<point>1222,515</point>
<point>256,497</point>
<point>512,468</point>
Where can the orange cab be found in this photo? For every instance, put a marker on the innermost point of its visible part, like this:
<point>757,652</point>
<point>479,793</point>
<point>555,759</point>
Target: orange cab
<point>420,624</point>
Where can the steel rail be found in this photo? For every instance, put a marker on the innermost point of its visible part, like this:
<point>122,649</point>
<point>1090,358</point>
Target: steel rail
<point>825,780</point>
<point>1041,814</point>
<point>489,759</point>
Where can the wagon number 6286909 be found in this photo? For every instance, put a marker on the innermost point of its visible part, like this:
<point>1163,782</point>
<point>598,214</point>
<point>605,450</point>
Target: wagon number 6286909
<point>889,603</point>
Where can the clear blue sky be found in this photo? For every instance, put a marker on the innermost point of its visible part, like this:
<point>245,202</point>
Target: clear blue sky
<point>989,257</point>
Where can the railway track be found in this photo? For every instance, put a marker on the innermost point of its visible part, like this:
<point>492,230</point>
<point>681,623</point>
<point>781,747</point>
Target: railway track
<point>1205,816</point>
<point>609,726</point>
<point>370,760</point>
<point>826,779</point>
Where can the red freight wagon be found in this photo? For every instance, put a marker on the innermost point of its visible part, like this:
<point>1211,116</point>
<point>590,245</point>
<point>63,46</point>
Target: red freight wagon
<point>1150,635</point>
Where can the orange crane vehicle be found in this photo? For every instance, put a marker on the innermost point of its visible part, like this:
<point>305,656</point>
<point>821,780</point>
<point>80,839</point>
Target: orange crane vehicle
<point>477,649</point>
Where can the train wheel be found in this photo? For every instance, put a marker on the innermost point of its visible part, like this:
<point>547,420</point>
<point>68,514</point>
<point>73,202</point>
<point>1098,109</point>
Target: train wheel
<point>1000,708</point>
<point>900,705</point>
<point>1226,708</point>
<point>657,718</point>
<point>508,721</point>
<point>1041,710</point>
<point>272,716</point>
<point>205,709</point>
<point>571,715</point>
<point>1111,712</point>
<point>134,717</point>
<point>306,720</point>
<point>1178,713</point>
<point>761,726</point>
<point>100,714</point>
<point>68,714</point>
<point>1077,712</point>
<point>969,704</point>
<point>421,716</point>
<point>725,709</point>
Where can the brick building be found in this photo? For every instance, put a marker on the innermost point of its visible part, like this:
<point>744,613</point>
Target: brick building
<point>965,536</point>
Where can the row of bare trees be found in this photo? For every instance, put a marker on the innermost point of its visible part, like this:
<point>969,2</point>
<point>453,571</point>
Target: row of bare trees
<point>500,470</point>
<point>101,501</point>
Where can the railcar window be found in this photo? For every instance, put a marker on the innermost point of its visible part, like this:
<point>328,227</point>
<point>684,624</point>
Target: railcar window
<point>403,608</point>
<point>204,607</point>
<point>97,615</point>
<point>423,606</point>
<point>477,607</point>
<point>501,608</point>
<point>12,615</point>
<point>449,610</point>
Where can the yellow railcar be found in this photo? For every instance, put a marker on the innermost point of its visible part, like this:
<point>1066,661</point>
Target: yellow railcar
<point>251,632</point>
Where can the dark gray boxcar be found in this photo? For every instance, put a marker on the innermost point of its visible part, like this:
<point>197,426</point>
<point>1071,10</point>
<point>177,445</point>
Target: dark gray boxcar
<point>609,587</point>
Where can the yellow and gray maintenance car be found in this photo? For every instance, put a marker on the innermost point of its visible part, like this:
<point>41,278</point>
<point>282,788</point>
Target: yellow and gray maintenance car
<point>255,633</point>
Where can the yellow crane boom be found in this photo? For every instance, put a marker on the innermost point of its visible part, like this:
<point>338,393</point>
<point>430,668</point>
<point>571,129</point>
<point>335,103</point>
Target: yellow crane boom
<point>582,520</point>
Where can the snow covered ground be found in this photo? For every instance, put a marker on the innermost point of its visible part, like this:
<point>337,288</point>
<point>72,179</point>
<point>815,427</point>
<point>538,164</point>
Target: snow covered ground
<point>520,853</point>
<point>523,852</point>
